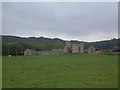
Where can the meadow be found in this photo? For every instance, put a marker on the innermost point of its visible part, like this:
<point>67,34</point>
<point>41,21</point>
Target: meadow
<point>60,71</point>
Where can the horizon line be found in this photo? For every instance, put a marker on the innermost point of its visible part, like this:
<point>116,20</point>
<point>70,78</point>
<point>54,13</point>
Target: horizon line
<point>57,38</point>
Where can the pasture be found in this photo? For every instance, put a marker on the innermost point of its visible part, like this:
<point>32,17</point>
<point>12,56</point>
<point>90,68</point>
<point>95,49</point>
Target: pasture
<point>60,71</point>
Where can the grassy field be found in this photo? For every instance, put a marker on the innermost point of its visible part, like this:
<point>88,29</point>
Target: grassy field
<point>60,71</point>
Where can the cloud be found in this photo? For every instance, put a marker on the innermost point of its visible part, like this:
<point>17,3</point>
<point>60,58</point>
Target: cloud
<point>87,21</point>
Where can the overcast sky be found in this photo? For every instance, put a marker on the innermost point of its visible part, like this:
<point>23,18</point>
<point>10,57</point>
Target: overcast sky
<point>87,21</point>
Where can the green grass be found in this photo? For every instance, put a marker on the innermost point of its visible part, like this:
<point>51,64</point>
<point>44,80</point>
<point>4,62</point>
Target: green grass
<point>60,71</point>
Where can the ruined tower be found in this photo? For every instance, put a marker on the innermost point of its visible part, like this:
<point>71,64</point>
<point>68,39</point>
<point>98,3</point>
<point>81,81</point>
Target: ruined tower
<point>81,47</point>
<point>75,48</point>
<point>67,48</point>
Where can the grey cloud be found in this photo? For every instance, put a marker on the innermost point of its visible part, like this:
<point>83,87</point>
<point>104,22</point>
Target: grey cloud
<point>82,21</point>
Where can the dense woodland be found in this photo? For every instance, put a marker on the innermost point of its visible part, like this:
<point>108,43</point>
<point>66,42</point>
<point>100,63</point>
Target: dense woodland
<point>14,45</point>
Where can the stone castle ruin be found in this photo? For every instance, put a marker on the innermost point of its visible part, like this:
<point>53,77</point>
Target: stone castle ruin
<point>74,48</point>
<point>69,48</point>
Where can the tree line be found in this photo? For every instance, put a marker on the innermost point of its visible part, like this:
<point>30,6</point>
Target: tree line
<point>13,45</point>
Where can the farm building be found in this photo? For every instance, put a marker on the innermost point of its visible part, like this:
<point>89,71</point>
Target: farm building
<point>29,52</point>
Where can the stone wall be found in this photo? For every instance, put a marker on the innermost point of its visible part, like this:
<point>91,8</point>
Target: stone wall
<point>29,52</point>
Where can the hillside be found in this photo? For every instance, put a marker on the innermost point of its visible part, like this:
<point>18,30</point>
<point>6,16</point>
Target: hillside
<point>13,44</point>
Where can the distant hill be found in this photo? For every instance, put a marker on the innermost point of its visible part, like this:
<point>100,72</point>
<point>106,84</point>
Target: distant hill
<point>14,44</point>
<point>13,39</point>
